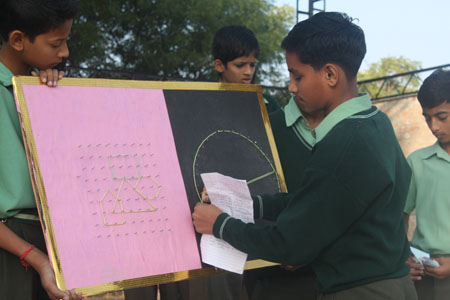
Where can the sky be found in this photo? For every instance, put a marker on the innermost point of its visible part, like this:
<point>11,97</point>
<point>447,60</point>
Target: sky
<point>415,29</point>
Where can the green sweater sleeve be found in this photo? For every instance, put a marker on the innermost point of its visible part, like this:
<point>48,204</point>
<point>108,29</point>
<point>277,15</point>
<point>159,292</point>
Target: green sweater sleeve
<point>311,221</point>
<point>268,207</point>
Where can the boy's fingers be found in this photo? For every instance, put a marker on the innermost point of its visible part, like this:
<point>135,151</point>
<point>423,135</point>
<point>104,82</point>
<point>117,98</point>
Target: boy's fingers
<point>42,75</point>
<point>205,197</point>
<point>50,76</point>
<point>416,272</point>
<point>54,77</point>
<point>33,73</point>
<point>74,296</point>
<point>60,74</point>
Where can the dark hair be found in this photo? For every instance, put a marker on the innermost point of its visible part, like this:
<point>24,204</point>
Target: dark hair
<point>34,17</point>
<point>435,89</point>
<point>328,37</point>
<point>231,42</point>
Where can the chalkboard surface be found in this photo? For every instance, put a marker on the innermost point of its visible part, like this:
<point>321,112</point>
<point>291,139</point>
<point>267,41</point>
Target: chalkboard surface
<point>221,131</point>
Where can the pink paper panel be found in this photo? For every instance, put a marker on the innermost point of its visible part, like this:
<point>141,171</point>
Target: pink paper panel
<point>113,184</point>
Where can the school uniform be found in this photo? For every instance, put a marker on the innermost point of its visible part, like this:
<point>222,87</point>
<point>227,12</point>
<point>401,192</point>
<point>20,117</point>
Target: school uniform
<point>429,194</point>
<point>17,204</point>
<point>345,220</point>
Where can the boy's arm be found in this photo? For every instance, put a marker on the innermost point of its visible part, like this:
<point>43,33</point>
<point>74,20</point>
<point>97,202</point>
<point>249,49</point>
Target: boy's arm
<point>311,221</point>
<point>268,207</point>
<point>416,270</point>
<point>38,260</point>
<point>406,220</point>
<point>411,199</point>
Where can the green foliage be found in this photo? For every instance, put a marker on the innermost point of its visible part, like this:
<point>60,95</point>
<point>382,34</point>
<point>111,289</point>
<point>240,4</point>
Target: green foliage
<point>390,87</point>
<point>172,38</point>
<point>282,95</point>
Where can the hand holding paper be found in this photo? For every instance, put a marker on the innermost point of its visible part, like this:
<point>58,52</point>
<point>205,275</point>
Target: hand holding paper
<point>233,197</point>
<point>204,216</point>
<point>416,270</point>
<point>424,258</point>
<point>205,197</point>
<point>442,271</point>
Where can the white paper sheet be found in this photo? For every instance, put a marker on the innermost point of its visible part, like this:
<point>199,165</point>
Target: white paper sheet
<point>233,197</point>
<point>423,257</point>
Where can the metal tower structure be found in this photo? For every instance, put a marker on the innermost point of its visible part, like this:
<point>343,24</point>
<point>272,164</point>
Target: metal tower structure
<point>308,8</point>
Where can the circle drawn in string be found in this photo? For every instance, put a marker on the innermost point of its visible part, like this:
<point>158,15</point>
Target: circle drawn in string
<point>233,154</point>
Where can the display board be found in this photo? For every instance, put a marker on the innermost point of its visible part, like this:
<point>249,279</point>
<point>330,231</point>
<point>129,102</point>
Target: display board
<point>116,171</point>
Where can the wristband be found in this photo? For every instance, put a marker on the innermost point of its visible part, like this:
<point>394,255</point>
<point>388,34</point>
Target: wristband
<point>22,257</point>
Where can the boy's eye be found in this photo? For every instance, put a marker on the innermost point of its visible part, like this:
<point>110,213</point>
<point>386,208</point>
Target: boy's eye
<point>442,118</point>
<point>253,65</point>
<point>56,45</point>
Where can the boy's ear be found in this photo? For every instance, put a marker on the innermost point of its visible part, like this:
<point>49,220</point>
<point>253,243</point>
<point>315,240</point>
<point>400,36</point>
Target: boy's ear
<point>16,40</point>
<point>331,73</point>
<point>219,66</point>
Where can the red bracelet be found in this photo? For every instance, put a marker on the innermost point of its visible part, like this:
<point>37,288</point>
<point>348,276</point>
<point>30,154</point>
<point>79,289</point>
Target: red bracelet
<point>22,257</point>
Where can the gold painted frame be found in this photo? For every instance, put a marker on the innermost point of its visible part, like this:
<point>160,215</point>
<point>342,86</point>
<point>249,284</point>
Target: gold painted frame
<point>39,189</point>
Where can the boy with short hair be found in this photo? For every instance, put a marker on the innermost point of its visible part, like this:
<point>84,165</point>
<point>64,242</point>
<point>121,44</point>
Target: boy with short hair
<point>429,192</point>
<point>236,51</point>
<point>34,35</point>
<point>345,219</point>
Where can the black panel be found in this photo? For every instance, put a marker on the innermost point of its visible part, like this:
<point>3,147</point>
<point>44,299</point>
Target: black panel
<point>221,131</point>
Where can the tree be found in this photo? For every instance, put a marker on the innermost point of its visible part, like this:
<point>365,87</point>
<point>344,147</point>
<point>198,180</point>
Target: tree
<point>390,66</point>
<point>171,38</point>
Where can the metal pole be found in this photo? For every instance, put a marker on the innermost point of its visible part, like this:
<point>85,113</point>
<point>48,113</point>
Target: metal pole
<point>311,8</point>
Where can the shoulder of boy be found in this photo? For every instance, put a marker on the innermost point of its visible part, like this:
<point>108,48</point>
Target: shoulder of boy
<point>5,76</point>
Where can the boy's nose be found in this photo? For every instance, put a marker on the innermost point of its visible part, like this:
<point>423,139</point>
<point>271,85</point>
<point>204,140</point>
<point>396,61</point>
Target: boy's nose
<point>292,87</point>
<point>434,126</point>
<point>64,53</point>
<point>248,70</point>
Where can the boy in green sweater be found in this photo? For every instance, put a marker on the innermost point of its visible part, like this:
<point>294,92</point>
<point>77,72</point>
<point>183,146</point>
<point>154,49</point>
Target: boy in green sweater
<point>34,35</point>
<point>345,219</point>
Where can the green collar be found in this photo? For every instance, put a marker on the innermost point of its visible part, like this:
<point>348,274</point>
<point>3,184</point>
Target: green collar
<point>353,106</point>
<point>292,113</point>
<point>437,150</point>
<point>342,112</point>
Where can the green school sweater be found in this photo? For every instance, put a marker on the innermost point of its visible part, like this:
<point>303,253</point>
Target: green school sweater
<point>346,217</point>
<point>271,103</point>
